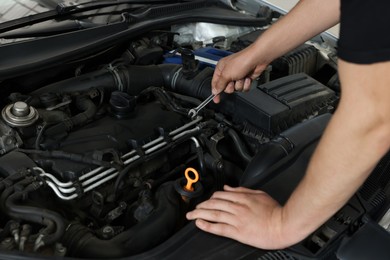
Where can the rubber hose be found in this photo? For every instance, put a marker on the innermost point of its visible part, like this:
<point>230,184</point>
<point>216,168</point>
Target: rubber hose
<point>89,110</point>
<point>101,79</point>
<point>134,79</point>
<point>11,179</point>
<point>34,214</point>
<point>8,191</point>
<point>74,157</point>
<point>241,149</point>
<point>156,228</point>
<point>200,155</point>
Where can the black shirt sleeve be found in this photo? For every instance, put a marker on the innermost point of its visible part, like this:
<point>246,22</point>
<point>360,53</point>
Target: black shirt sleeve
<point>364,31</point>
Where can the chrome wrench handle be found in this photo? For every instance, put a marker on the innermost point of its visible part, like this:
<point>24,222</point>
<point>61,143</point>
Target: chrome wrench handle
<point>194,111</point>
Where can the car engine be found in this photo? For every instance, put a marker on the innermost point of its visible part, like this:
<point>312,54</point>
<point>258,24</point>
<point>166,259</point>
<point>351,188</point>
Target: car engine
<point>101,159</point>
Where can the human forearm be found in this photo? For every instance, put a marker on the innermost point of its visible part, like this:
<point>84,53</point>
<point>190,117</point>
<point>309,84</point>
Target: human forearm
<point>356,138</point>
<point>307,19</point>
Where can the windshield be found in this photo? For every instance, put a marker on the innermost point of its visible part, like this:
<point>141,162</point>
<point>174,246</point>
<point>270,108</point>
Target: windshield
<point>103,13</point>
<point>13,9</point>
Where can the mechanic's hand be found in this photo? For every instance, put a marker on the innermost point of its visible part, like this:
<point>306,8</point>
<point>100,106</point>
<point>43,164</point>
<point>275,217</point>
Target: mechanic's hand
<point>249,216</point>
<point>236,72</point>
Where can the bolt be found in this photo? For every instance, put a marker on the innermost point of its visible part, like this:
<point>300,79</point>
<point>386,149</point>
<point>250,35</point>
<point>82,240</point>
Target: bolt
<point>219,165</point>
<point>20,109</point>
<point>108,230</point>
<point>9,141</point>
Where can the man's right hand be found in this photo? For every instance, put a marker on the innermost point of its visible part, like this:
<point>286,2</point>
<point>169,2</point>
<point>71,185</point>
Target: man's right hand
<point>307,19</point>
<point>236,72</point>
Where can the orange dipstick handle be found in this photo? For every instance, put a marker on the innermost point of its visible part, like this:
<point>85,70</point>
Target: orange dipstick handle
<point>191,179</point>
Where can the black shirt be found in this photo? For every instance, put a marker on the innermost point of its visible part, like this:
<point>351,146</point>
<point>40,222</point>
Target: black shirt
<point>364,31</point>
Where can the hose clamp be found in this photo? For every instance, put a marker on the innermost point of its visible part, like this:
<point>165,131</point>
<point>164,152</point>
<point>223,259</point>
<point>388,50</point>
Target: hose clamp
<point>117,77</point>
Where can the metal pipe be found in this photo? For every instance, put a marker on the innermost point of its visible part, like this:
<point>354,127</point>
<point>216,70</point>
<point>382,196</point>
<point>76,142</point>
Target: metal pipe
<point>101,182</point>
<point>100,175</point>
<point>97,177</point>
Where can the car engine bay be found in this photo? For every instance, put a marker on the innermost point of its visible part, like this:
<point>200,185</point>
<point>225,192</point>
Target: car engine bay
<point>99,158</point>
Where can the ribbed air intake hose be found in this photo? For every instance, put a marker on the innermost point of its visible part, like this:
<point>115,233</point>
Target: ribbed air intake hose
<point>134,79</point>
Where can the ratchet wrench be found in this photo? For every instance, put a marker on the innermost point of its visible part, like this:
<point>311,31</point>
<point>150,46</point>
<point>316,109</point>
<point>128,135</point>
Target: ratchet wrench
<point>194,111</point>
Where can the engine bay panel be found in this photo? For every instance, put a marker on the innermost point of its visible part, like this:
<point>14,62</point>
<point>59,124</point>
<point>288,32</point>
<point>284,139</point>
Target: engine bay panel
<point>95,148</point>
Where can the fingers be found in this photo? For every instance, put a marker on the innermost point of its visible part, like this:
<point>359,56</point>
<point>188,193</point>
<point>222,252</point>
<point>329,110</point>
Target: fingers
<point>215,216</point>
<point>218,85</point>
<point>230,88</point>
<point>242,85</point>
<point>236,197</point>
<point>247,84</point>
<point>227,213</point>
<point>242,190</point>
<point>212,215</point>
<point>219,80</point>
<point>220,229</point>
<point>239,86</point>
<point>225,80</point>
<point>230,207</point>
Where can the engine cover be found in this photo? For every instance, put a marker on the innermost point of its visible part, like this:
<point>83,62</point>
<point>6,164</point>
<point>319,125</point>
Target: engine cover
<point>282,103</point>
<point>147,122</point>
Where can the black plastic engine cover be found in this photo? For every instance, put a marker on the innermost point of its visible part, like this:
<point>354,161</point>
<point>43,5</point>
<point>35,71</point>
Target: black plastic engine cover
<point>148,122</point>
<point>13,162</point>
<point>280,104</point>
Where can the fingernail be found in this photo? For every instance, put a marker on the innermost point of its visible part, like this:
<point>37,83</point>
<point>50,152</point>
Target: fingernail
<point>247,81</point>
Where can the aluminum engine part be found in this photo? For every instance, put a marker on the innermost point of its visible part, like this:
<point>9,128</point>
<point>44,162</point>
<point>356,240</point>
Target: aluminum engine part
<point>19,114</point>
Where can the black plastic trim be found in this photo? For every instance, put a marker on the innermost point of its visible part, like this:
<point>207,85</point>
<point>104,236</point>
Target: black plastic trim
<point>371,241</point>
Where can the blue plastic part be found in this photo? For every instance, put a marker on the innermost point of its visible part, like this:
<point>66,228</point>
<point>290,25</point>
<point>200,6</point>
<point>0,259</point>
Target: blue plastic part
<point>208,56</point>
